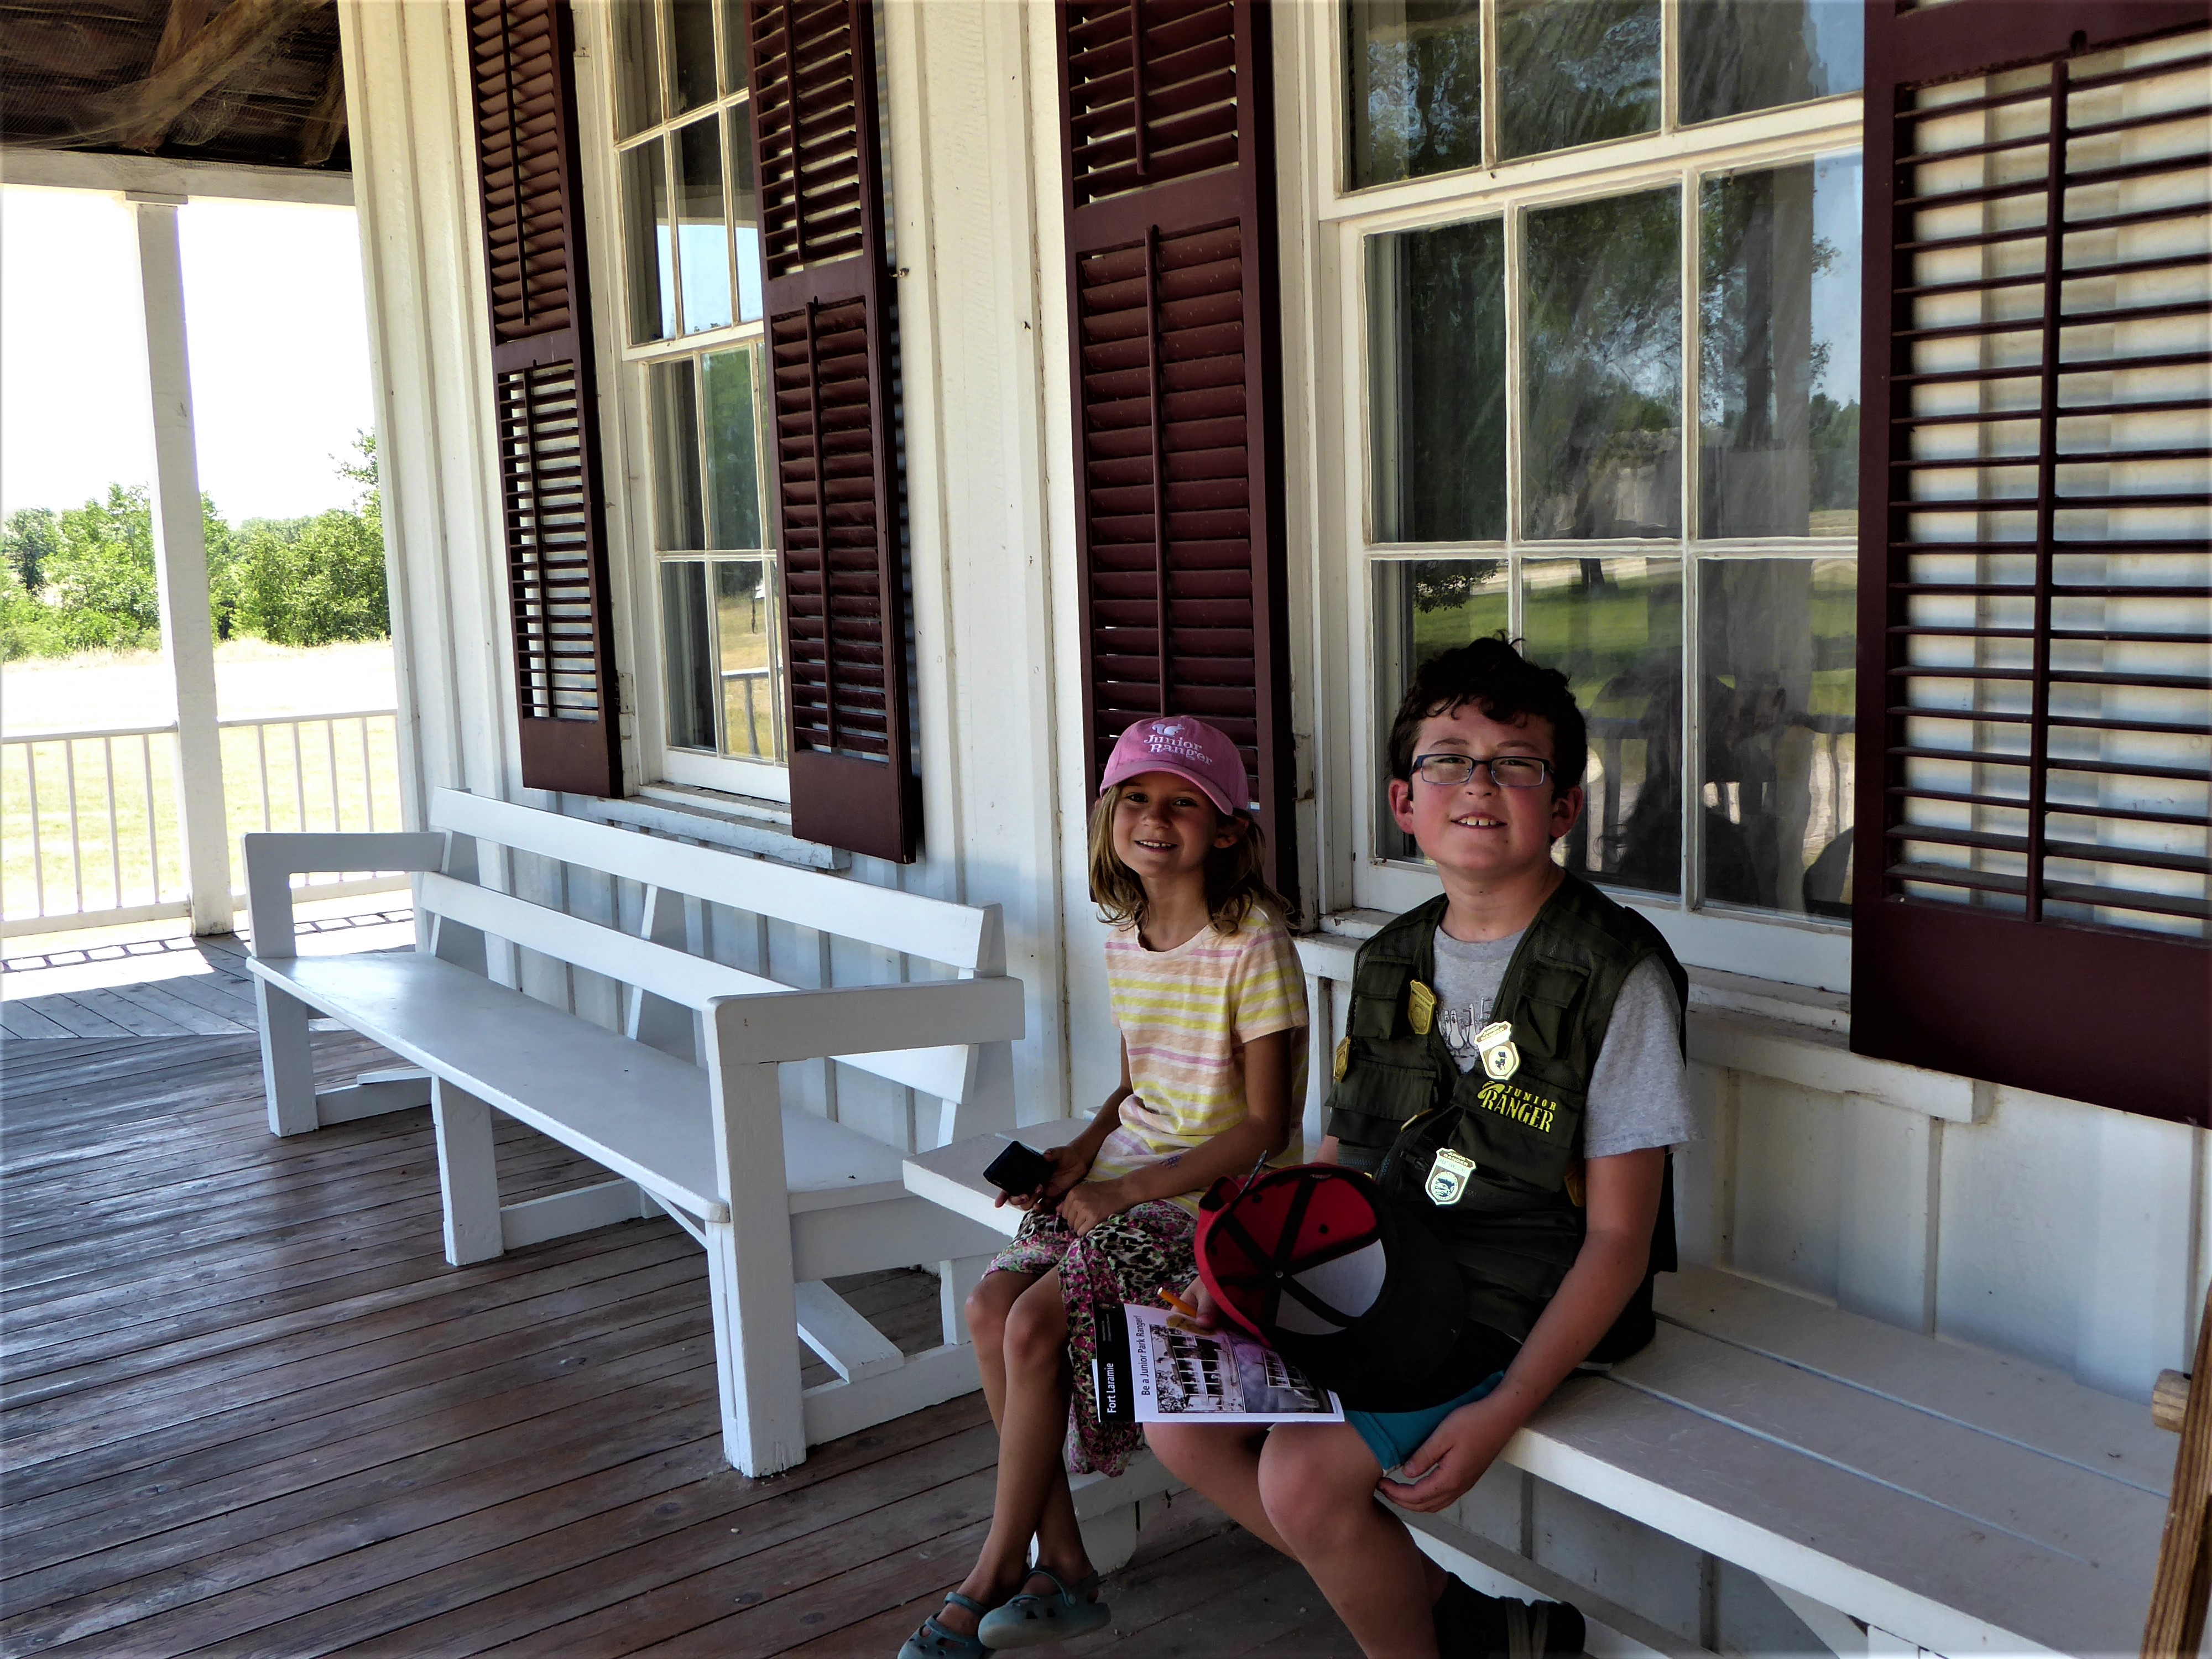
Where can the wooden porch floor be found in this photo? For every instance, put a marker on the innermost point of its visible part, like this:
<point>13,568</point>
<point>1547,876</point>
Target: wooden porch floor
<point>246,1408</point>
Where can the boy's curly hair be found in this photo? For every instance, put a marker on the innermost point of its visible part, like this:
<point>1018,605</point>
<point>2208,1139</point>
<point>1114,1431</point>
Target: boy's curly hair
<point>1492,674</point>
<point>1236,882</point>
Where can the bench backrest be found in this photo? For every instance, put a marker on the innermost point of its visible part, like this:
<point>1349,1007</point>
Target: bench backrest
<point>968,938</point>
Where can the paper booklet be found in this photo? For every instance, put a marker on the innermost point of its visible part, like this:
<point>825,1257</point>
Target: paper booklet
<point>1154,1367</point>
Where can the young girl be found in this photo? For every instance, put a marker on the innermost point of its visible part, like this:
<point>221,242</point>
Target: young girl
<point>1210,1001</point>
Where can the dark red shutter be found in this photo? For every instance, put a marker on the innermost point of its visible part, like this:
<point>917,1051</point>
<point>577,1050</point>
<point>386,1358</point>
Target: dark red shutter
<point>1176,361</point>
<point>2031,851</point>
<point>544,407</point>
<point>815,133</point>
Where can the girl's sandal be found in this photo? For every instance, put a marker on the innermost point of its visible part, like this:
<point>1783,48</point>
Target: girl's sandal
<point>934,1641</point>
<point>1030,1621</point>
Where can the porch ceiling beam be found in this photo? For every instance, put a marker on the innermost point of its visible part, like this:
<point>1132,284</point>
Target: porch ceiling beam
<point>139,116</point>
<point>162,175</point>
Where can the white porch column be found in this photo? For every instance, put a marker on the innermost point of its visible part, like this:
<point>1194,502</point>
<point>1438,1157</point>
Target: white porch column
<point>180,558</point>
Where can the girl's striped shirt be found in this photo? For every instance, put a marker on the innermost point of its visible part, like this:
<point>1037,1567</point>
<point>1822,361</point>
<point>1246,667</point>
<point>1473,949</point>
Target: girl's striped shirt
<point>1185,1016</point>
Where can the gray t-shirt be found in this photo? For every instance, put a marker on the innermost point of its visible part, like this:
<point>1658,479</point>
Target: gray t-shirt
<point>1639,1092</point>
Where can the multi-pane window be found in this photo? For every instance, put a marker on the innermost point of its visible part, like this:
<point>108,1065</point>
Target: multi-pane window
<point>1618,416</point>
<point>690,230</point>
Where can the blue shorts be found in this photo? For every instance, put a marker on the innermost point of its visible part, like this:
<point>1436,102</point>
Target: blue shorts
<point>1393,1437</point>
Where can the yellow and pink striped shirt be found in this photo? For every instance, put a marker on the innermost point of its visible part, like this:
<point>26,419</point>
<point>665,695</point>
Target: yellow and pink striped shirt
<point>1185,1016</point>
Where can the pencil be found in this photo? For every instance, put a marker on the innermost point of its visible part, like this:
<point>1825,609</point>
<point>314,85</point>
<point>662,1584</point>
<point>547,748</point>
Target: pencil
<point>1179,1304</point>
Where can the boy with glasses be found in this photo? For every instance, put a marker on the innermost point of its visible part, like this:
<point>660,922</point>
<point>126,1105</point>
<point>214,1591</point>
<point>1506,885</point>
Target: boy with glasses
<point>1513,1074</point>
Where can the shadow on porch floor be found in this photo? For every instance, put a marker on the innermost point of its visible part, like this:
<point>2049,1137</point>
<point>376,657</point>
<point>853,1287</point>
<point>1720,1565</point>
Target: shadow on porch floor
<point>249,1410</point>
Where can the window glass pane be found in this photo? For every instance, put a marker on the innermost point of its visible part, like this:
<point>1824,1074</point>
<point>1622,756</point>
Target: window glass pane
<point>637,67</point>
<point>1777,679</point>
<point>691,54</point>
<point>1575,71</point>
<point>1437,392</point>
<point>1603,341</point>
<point>735,58</point>
<point>1741,55</point>
<point>1779,330</point>
<point>1422,607</point>
<point>1415,69</point>
<point>744,214</point>
<point>1615,628</point>
<point>687,655</point>
<point>744,612</point>
<point>651,265</point>
<point>733,503</point>
<point>705,246</point>
<point>677,522</point>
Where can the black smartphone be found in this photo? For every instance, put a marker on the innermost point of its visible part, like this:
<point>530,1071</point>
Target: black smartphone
<point>1019,1170</point>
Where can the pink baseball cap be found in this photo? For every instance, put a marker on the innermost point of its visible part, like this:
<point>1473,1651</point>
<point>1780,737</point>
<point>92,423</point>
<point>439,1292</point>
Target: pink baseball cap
<point>1188,748</point>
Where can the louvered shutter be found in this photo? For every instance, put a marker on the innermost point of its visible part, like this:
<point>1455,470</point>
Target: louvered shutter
<point>2036,613</point>
<point>828,300</point>
<point>1175,338</point>
<point>544,408</point>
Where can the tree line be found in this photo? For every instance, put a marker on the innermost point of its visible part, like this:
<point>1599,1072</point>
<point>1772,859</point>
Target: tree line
<point>83,579</point>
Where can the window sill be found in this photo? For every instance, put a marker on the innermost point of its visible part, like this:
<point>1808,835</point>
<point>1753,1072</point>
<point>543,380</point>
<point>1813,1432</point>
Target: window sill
<point>740,822</point>
<point>1791,1033</point>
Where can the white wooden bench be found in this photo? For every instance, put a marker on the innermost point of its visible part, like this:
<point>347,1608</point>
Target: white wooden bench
<point>684,1108</point>
<point>1896,1493</point>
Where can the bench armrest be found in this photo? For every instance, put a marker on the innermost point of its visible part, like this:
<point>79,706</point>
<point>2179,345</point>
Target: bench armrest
<point>773,1026</point>
<point>273,858</point>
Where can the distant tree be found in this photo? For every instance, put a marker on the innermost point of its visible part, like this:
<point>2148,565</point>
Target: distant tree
<point>310,581</point>
<point>32,535</point>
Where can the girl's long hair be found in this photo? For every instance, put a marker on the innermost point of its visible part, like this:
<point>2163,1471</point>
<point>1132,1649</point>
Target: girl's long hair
<point>1236,879</point>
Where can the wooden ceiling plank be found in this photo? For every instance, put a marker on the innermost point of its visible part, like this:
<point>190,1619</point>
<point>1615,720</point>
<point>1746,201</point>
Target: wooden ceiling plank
<point>327,122</point>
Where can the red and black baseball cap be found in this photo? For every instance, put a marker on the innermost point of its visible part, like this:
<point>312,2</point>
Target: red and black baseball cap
<point>1315,1262</point>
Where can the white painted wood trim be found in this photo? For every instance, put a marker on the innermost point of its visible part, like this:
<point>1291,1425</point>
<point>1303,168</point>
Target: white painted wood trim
<point>952,1176</point>
<point>969,1009</point>
<point>909,922</point>
<point>273,857</point>
<point>832,1409</point>
<point>180,563</point>
<point>555,1216</point>
<point>287,1060</point>
<point>793,1025</point>
<point>468,1175</point>
<point>848,1345</point>
<point>373,1096</point>
<point>75,169</point>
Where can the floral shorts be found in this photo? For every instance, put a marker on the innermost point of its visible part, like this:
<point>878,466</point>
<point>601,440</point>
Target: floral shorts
<point>1129,1257</point>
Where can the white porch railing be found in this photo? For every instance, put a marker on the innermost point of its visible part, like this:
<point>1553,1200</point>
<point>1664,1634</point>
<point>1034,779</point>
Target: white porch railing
<point>88,825</point>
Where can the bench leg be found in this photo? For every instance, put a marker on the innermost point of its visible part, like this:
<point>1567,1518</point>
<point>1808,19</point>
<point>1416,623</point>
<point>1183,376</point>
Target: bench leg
<point>468,1177</point>
<point>287,1060</point>
<point>954,1280</point>
<point>756,1353</point>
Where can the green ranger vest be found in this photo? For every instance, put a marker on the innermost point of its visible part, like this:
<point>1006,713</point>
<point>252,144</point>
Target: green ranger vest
<point>1492,1162</point>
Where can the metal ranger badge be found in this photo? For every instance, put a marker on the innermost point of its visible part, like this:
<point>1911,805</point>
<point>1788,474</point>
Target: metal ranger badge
<point>1500,1058</point>
<point>1448,1176</point>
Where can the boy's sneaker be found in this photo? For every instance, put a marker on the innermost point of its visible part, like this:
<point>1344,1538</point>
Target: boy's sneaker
<point>1473,1626</point>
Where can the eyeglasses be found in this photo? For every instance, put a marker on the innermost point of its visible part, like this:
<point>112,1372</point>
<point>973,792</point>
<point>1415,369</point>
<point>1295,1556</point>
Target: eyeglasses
<point>1448,771</point>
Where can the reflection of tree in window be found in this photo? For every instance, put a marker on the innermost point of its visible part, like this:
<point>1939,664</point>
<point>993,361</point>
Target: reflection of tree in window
<point>1603,354</point>
<point>1778,318</point>
<point>1415,92</point>
<point>1437,361</point>
<point>1743,55</point>
<point>1575,72</point>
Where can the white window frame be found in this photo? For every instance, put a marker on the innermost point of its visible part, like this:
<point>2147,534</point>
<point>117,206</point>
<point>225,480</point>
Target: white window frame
<point>1792,950</point>
<point>632,499</point>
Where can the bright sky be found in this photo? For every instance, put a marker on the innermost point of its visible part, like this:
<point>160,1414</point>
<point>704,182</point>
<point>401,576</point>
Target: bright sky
<point>276,325</point>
